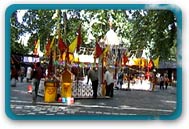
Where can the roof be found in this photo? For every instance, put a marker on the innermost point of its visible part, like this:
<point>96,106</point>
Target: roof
<point>168,64</point>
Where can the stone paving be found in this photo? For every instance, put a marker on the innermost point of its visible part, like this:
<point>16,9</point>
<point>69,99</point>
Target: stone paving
<point>135,102</point>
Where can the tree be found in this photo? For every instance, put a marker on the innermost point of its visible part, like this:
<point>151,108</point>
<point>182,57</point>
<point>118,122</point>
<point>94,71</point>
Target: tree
<point>156,30</point>
<point>16,46</point>
<point>137,29</point>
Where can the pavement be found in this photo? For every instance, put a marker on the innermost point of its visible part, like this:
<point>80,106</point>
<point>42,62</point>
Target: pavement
<point>124,103</point>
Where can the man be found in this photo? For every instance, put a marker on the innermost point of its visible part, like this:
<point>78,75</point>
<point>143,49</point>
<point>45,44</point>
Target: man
<point>14,76</point>
<point>161,82</point>
<point>36,77</point>
<point>120,79</point>
<point>93,76</point>
<point>109,82</point>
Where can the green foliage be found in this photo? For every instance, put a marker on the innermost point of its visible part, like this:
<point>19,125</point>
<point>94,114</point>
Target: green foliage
<point>138,29</point>
<point>16,47</point>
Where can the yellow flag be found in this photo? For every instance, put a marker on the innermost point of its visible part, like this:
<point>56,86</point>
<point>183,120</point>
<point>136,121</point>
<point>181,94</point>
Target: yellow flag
<point>37,44</point>
<point>156,62</point>
<point>144,62</point>
<point>52,43</point>
<point>106,50</point>
<point>73,45</point>
<point>71,56</point>
<point>136,61</point>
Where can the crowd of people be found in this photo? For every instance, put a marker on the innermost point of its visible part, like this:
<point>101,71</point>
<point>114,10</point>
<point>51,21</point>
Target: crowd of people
<point>33,73</point>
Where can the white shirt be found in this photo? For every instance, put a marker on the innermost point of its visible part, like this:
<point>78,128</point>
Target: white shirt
<point>29,70</point>
<point>108,77</point>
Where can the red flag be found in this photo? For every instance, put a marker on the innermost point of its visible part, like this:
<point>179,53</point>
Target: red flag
<point>99,50</point>
<point>150,64</point>
<point>125,59</point>
<point>79,38</point>
<point>61,45</point>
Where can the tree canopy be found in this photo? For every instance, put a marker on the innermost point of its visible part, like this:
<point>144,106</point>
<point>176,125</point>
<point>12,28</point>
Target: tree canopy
<point>155,30</point>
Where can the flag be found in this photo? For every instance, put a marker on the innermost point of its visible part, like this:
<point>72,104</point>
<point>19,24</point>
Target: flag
<point>79,40</point>
<point>98,50</point>
<point>136,61</point>
<point>106,50</point>
<point>143,62</point>
<point>37,46</point>
<point>61,45</point>
<point>156,62</point>
<point>66,56</point>
<point>125,59</point>
<point>73,45</point>
<point>150,64</point>
<point>52,42</point>
<point>47,47</point>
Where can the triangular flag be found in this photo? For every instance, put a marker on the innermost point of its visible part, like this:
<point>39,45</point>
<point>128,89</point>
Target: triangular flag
<point>73,45</point>
<point>125,59</point>
<point>150,64</point>
<point>37,47</point>
<point>143,62</point>
<point>106,50</point>
<point>98,50</point>
<point>37,44</point>
<point>61,45</point>
<point>156,62</point>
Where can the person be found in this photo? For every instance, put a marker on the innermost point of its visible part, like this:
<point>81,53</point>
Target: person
<point>120,79</point>
<point>28,73</point>
<point>161,82</point>
<point>166,81</point>
<point>14,76</point>
<point>37,74</point>
<point>109,82</point>
<point>22,73</point>
<point>93,76</point>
